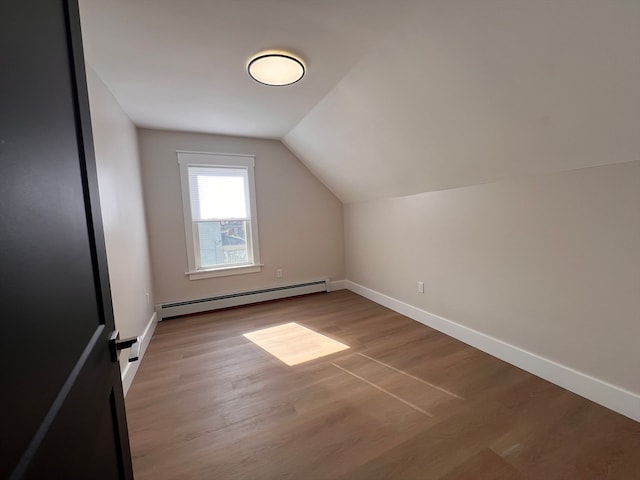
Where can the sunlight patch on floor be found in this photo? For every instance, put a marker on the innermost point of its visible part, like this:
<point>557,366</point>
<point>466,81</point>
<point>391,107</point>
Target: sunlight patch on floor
<point>294,344</point>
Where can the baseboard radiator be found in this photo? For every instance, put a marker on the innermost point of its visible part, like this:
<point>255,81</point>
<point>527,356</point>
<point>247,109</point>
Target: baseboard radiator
<point>175,309</point>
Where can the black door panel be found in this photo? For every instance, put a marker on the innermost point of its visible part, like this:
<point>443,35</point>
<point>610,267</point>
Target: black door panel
<point>62,404</point>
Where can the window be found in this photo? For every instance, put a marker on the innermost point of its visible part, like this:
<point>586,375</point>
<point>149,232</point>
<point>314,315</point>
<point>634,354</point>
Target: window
<point>218,197</point>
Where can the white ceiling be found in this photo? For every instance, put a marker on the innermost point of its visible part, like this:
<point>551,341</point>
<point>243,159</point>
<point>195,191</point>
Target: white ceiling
<point>182,64</point>
<point>401,96</point>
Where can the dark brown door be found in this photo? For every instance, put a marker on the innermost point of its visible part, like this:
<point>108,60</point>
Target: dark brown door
<point>61,397</point>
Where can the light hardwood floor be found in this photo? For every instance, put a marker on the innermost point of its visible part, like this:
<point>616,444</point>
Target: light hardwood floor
<point>403,402</point>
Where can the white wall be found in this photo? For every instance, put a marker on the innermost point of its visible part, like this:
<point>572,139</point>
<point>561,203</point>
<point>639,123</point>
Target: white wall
<point>123,215</point>
<point>300,222</point>
<point>549,264</point>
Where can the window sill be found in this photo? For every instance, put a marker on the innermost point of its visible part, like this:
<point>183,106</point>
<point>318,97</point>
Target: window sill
<point>225,271</point>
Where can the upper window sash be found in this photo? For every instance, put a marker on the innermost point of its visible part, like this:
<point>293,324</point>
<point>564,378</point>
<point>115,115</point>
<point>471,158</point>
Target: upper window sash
<point>219,193</point>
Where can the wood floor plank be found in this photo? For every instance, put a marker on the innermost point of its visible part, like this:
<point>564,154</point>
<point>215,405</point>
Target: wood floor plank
<point>485,464</point>
<point>208,403</point>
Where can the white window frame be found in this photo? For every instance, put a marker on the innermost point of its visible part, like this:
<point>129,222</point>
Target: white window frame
<point>201,159</point>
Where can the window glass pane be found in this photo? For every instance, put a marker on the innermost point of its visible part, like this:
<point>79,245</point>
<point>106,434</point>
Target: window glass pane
<point>218,193</point>
<point>222,243</point>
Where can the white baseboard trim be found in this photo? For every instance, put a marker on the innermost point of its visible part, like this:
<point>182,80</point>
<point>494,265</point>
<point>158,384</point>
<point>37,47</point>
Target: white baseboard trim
<point>337,285</point>
<point>131,369</point>
<point>615,398</point>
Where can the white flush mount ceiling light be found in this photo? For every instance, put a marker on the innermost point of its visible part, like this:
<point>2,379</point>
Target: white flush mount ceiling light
<point>276,68</point>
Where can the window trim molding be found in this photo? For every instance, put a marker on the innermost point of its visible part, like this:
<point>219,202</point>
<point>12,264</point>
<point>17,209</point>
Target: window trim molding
<point>209,159</point>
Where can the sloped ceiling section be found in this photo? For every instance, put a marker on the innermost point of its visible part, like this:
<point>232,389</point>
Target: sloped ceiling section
<point>467,92</point>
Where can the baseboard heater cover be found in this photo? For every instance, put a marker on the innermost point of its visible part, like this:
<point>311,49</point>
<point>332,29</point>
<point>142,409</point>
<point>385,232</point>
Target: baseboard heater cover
<point>174,309</point>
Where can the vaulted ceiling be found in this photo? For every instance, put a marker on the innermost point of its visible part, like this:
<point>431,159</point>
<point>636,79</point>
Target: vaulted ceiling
<point>400,96</point>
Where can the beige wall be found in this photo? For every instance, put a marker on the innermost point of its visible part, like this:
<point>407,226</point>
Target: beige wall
<point>122,207</point>
<point>550,263</point>
<point>300,222</point>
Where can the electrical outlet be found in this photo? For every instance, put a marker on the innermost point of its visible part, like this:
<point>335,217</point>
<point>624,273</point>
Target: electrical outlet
<point>279,273</point>
<point>420,287</point>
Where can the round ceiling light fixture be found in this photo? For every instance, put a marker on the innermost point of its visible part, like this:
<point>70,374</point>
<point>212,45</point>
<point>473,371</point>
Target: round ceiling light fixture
<point>276,68</point>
